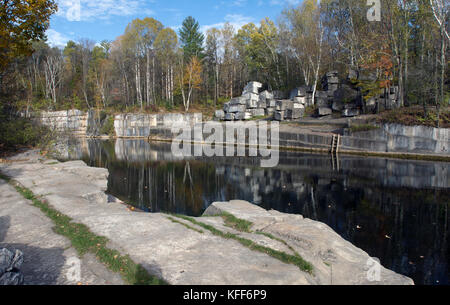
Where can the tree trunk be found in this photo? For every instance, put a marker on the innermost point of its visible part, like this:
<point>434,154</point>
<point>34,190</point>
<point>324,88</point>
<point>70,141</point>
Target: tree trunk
<point>138,83</point>
<point>148,79</point>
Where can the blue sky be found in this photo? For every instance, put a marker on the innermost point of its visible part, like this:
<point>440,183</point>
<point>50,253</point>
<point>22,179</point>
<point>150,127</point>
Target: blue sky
<point>107,19</point>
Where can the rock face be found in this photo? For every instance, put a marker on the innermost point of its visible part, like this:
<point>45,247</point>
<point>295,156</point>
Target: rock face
<point>10,263</point>
<point>74,121</point>
<point>139,125</point>
<point>316,243</point>
<point>322,111</point>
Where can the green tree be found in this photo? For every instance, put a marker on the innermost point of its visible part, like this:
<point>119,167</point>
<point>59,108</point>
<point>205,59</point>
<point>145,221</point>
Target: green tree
<point>165,45</point>
<point>191,38</point>
<point>22,21</point>
<point>213,41</point>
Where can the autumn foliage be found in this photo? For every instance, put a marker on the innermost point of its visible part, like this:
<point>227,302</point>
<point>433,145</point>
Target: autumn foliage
<point>21,22</point>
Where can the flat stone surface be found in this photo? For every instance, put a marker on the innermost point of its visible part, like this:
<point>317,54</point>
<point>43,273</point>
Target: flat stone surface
<point>170,250</point>
<point>315,242</point>
<point>47,255</point>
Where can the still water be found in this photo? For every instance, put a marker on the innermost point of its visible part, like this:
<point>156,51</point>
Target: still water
<point>395,210</point>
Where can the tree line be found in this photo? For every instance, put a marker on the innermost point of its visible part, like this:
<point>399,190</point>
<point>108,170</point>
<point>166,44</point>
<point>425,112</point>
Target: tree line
<point>151,66</point>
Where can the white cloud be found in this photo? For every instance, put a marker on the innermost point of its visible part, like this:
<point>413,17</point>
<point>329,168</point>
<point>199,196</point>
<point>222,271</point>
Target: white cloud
<point>236,20</point>
<point>89,10</point>
<point>285,2</point>
<point>56,39</point>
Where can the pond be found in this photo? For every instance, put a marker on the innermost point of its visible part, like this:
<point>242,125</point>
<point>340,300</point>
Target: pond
<point>395,210</point>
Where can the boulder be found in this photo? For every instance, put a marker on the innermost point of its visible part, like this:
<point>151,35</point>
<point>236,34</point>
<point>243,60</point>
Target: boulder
<point>351,112</point>
<point>220,114</point>
<point>10,263</point>
<point>321,94</point>
<point>265,95</point>
<point>353,74</point>
<point>279,115</point>
<point>345,94</point>
<point>283,105</point>
<point>271,103</point>
<point>262,104</point>
<point>338,105</point>
<point>252,104</point>
<point>229,117</point>
<point>351,105</point>
<point>258,112</point>
<point>250,96</point>
<point>332,73</point>
<point>333,80</point>
<point>240,116</point>
<point>237,108</point>
<point>237,101</point>
<point>300,100</point>
<point>270,111</point>
<point>322,111</point>
<point>252,87</point>
<point>370,105</point>
<point>295,114</point>
<point>332,88</point>
<point>322,102</point>
<point>226,107</point>
<point>298,106</point>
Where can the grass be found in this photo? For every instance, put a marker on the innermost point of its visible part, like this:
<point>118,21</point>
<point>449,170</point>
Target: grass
<point>415,116</point>
<point>363,127</point>
<point>186,225</point>
<point>240,225</point>
<point>84,241</point>
<point>279,240</point>
<point>282,256</point>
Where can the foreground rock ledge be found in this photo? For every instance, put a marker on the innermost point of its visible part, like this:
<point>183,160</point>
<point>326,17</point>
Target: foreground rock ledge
<point>184,256</point>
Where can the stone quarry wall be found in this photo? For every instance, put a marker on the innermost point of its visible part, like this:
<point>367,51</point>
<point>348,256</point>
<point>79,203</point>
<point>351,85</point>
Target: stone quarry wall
<point>81,123</point>
<point>73,121</point>
<point>140,125</point>
<point>389,138</point>
<point>400,138</point>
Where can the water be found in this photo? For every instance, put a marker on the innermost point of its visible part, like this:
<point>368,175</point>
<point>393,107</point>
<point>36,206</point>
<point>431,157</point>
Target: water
<point>393,209</point>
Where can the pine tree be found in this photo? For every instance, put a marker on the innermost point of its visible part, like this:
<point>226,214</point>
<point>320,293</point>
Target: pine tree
<point>191,38</point>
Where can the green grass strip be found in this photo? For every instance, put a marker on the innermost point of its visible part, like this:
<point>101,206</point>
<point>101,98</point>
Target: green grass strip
<point>282,256</point>
<point>238,224</point>
<point>84,241</point>
<point>279,240</point>
<point>184,224</point>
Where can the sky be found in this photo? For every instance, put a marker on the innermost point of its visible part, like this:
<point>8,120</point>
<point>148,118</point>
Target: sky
<point>100,20</point>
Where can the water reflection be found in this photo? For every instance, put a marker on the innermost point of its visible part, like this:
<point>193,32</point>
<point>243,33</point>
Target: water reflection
<point>393,209</point>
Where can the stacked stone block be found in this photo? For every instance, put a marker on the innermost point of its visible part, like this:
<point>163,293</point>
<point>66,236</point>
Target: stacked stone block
<point>252,103</point>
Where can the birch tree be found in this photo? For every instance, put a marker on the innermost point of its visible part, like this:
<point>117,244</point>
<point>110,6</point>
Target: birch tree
<point>53,72</point>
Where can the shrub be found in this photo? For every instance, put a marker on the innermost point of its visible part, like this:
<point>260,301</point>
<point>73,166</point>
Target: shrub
<point>108,126</point>
<point>17,132</point>
<point>363,127</point>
